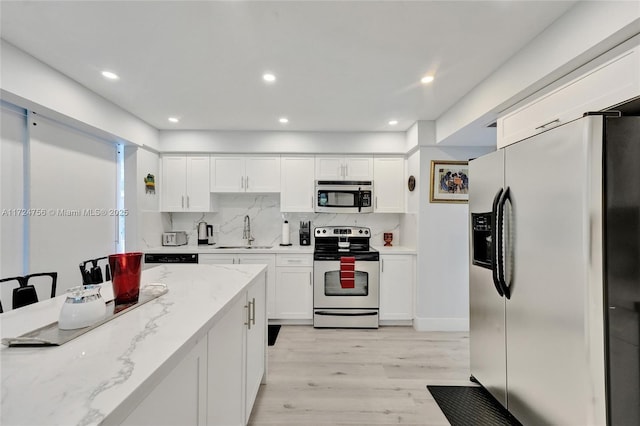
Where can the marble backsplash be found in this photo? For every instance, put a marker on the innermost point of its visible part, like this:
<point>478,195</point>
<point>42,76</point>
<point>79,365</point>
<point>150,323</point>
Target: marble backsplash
<point>266,221</point>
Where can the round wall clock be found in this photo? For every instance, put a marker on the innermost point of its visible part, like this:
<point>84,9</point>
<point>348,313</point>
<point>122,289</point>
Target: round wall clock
<point>411,183</point>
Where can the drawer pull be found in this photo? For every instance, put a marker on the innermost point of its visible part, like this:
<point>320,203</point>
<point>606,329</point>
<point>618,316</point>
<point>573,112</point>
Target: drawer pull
<point>557,120</point>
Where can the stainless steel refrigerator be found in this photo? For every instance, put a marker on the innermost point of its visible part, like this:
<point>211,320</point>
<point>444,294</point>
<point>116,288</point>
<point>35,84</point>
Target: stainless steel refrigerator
<point>555,274</point>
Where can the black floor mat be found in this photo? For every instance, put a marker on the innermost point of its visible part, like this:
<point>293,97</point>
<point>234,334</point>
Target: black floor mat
<point>273,334</point>
<point>471,405</point>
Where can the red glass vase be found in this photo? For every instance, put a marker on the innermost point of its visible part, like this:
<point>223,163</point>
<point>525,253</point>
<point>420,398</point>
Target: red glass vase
<point>125,276</point>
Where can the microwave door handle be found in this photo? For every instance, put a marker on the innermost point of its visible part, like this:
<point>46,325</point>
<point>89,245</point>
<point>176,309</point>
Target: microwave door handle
<point>359,199</point>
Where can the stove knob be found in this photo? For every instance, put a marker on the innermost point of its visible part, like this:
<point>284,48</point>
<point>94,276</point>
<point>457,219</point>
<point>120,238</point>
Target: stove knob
<point>324,231</point>
<point>366,232</point>
<point>360,231</point>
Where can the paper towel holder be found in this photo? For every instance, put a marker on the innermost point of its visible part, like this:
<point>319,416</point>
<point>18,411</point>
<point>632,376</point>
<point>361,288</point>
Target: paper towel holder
<point>285,230</point>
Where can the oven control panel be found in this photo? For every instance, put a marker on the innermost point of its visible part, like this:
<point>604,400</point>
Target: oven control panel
<point>342,231</point>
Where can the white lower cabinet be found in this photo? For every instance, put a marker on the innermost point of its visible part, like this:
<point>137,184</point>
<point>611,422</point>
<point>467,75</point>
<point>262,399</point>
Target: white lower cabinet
<point>217,382</point>
<point>226,364</point>
<point>165,406</point>
<point>294,287</point>
<point>256,345</point>
<point>396,287</point>
<point>259,258</point>
<point>236,355</point>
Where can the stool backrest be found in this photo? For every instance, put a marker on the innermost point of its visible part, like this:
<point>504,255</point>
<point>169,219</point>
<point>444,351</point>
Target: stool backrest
<point>95,271</point>
<point>24,290</point>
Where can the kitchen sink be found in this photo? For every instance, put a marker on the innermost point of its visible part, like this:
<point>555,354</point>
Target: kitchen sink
<point>243,247</point>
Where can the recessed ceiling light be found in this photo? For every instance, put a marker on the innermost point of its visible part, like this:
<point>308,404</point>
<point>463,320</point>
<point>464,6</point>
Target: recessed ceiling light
<point>174,119</point>
<point>393,122</point>
<point>110,75</point>
<point>268,77</point>
<point>426,79</point>
<point>284,120</point>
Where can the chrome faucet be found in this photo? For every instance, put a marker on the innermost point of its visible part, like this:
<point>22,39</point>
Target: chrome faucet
<point>246,232</point>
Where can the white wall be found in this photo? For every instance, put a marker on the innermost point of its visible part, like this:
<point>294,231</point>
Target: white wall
<point>442,267</point>
<point>13,127</point>
<point>282,142</point>
<point>144,223</point>
<point>69,171</point>
<point>443,256</point>
<point>31,84</point>
<point>587,30</point>
<point>409,220</point>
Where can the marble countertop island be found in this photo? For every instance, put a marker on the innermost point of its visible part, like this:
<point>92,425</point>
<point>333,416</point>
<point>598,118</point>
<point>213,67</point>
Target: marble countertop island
<point>99,377</point>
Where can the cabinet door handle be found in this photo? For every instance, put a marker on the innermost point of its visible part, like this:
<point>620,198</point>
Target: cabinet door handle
<point>382,265</point>
<point>248,323</point>
<point>557,120</point>
<point>346,170</point>
<point>183,201</point>
<point>253,311</point>
<point>310,278</point>
<point>241,182</point>
<point>247,182</point>
<point>188,203</point>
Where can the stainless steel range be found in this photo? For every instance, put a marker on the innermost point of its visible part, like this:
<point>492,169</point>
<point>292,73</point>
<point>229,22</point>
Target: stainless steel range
<point>346,278</point>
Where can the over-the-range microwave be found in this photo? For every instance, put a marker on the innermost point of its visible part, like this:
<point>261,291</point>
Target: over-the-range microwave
<point>344,196</point>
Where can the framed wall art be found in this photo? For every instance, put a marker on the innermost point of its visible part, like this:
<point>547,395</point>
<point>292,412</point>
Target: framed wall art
<point>449,182</point>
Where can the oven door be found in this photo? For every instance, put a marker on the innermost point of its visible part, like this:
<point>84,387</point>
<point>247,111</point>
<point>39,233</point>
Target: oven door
<point>329,293</point>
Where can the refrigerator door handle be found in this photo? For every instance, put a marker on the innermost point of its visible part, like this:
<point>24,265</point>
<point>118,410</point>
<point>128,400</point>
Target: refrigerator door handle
<point>501,243</point>
<point>494,239</point>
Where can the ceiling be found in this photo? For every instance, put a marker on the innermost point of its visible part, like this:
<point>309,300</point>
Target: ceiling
<point>339,65</point>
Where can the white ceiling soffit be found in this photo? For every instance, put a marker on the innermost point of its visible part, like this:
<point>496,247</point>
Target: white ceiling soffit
<point>340,65</point>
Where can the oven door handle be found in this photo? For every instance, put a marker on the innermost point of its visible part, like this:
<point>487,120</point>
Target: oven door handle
<point>346,314</point>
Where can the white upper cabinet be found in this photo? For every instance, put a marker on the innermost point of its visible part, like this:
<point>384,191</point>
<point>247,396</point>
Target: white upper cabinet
<point>344,168</point>
<point>297,184</point>
<point>185,183</point>
<point>603,87</point>
<point>245,174</point>
<point>388,184</point>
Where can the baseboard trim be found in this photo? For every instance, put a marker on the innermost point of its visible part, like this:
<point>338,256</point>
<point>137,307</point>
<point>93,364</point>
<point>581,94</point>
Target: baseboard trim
<point>441,324</point>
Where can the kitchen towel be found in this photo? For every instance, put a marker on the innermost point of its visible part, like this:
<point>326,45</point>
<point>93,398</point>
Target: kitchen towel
<point>347,272</point>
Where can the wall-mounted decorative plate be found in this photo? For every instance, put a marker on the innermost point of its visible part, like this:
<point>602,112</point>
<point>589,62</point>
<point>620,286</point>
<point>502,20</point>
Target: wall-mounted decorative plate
<point>411,183</point>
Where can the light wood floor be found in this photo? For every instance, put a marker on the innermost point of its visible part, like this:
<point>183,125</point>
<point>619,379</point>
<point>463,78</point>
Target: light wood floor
<point>324,377</point>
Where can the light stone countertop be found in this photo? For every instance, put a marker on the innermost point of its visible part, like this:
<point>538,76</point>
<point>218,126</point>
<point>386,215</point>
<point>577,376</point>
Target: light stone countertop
<point>395,250</point>
<point>276,249</point>
<point>99,377</point>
